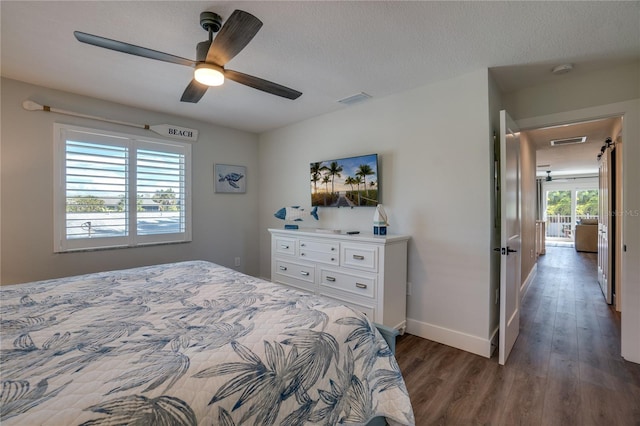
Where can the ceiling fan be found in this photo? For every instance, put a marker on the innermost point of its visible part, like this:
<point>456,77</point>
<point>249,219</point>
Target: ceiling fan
<point>211,55</point>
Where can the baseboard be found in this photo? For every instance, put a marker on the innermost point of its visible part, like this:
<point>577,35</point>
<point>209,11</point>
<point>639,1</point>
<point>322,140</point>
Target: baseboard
<point>525,286</point>
<point>456,339</point>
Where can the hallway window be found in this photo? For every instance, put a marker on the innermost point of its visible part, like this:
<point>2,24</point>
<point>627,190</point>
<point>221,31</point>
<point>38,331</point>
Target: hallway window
<point>566,203</point>
<point>586,203</point>
<point>559,214</point>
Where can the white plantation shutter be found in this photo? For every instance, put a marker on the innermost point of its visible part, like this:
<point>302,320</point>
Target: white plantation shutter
<point>161,191</point>
<point>115,190</point>
<point>96,187</point>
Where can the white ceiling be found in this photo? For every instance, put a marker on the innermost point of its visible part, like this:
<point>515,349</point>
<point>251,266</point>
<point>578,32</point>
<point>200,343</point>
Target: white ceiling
<point>575,159</point>
<point>328,50</point>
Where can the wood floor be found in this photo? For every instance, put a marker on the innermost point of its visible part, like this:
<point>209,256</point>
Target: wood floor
<point>565,368</point>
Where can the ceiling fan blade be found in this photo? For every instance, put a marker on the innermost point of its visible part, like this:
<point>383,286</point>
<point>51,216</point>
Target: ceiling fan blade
<point>234,35</point>
<point>194,92</point>
<point>260,84</point>
<point>131,49</point>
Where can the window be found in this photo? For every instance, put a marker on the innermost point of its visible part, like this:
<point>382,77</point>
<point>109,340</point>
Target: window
<point>117,190</point>
<point>567,203</point>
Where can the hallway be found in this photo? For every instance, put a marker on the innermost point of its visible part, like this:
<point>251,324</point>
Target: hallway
<point>565,368</point>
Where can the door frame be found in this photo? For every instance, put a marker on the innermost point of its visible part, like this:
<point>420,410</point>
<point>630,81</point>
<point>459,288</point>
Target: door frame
<point>510,173</point>
<point>629,283</point>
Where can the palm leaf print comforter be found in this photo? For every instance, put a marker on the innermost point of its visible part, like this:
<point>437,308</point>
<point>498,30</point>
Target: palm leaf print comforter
<point>189,343</point>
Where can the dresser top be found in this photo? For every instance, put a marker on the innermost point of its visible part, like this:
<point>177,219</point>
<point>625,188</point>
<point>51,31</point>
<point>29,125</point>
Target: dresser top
<point>342,236</point>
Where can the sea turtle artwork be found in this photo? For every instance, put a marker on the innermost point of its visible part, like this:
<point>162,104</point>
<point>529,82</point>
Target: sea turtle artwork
<point>231,178</point>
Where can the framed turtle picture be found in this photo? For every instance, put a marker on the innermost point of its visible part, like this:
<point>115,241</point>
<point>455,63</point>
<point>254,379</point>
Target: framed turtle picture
<point>230,179</point>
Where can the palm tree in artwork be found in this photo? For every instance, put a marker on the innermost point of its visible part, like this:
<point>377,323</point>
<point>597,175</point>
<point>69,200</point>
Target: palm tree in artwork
<point>325,180</point>
<point>358,180</point>
<point>365,170</point>
<point>334,170</point>
<point>315,175</point>
<point>350,180</point>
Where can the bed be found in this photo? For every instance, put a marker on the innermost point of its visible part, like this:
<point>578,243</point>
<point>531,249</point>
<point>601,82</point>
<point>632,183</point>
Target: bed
<point>190,343</point>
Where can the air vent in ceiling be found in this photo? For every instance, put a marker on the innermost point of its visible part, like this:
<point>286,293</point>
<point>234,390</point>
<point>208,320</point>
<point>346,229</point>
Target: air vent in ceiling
<point>354,99</point>
<point>568,141</point>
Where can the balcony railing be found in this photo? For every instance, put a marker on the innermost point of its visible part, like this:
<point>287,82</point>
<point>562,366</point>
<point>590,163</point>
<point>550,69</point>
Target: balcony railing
<point>560,226</point>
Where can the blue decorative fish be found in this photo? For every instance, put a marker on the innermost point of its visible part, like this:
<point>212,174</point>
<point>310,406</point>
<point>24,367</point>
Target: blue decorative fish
<point>295,213</point>
<point>232,178</point>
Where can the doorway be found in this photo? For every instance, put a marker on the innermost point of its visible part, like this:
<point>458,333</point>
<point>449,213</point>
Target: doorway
<point>629,289</point>
<point>567,162</point>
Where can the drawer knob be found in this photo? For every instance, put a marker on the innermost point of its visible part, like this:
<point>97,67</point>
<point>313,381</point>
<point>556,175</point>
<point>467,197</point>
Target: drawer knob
<point>304,273</point>
<point>331,279</point>
<point>360,285</point>
<point>333,259</point>
<point>358,257</point>
<point>283,268</point>
<point>302,245</point>
<point>333,249</point>
<point>302,254</point>
<point>284,247</point>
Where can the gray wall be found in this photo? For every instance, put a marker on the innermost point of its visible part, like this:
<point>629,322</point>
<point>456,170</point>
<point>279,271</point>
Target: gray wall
<point>225,225</point>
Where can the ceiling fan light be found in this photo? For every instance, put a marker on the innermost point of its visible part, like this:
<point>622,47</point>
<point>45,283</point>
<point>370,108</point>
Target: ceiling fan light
<point>209,75</point>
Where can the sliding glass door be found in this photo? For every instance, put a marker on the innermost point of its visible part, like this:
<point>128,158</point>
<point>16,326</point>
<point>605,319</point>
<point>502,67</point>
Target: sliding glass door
<point>568,201</point>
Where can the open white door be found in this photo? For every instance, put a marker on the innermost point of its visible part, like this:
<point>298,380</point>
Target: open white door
<point>605,251</point>
<point>509,236</point>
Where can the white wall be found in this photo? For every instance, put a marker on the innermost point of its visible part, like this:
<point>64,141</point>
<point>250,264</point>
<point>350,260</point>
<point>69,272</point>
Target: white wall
<point>435,152</point>
<point>495,105</point>
<point>434,145</point>
<point>527,211</point>
<point>571,92</point>
<point>225,225</point>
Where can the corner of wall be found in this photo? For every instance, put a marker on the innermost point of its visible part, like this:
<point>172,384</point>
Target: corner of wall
<point>528,208</point>
<point>466,342</point>
<point>495,105</point>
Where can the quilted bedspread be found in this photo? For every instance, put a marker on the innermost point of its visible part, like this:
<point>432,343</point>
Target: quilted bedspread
<point>189,343</point>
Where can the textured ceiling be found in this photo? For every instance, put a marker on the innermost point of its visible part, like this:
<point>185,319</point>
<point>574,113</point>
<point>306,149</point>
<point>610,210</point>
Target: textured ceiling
<point>575,159</point>
<point>327,50</point>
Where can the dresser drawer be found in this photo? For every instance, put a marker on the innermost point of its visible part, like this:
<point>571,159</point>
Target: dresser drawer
<point>298,275</point>
<point>285,246</point>
<point>318,256</point>
<point>319,246</point>
<point>350,283</point>
<point>319,251</point>
<point>360,257</point>
<point>369,311</point>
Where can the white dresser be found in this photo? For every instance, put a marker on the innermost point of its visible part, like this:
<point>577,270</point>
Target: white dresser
<point>366,272</point>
